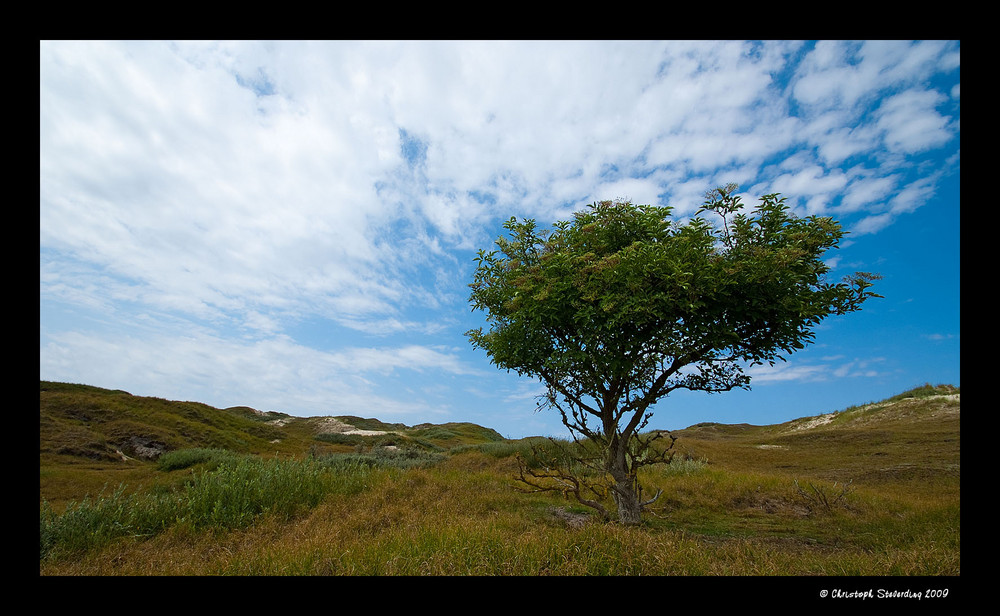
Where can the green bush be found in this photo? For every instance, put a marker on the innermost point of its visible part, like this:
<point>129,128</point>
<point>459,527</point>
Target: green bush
<point>185,458</point>
<point>240,490</point>
<point>341,439</point>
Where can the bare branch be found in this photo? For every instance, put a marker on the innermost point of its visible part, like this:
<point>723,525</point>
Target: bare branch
<point>556,479</point>
<point>821,498</point>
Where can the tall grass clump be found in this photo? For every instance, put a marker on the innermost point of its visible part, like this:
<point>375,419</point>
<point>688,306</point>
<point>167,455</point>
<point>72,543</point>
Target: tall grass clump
<point>186,458</point>
<point>229,496</point>
<point>382,457</point>
<point>93,523</point>
<point>683,466</point>
<point>236,493</point>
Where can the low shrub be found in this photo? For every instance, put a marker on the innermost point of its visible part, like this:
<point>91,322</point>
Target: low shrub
<point>185,458</point>
<point>240,490</point>
<point>383,457</point>
<point>336,438</point>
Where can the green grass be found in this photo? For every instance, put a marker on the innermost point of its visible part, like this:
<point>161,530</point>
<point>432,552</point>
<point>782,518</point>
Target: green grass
<point>384,458</point>
<point>232,492</point>
<point>186,458</point>
<point>737,501</point>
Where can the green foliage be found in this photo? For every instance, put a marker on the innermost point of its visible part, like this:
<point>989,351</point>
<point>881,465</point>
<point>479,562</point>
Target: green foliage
<point>619,306</point>
<point>185,458</point>
<point>337,438</point>
<point>609,307</point>
<point>236,493</point>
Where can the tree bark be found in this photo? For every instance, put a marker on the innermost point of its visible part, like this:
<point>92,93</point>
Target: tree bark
<point>627,499</point>
<point>625,489</point>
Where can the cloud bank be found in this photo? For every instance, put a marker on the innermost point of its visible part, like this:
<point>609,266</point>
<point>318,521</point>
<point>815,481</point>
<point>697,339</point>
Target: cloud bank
<point>203,203</point>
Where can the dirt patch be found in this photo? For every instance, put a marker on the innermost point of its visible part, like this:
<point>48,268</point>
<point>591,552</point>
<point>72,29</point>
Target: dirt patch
<point>141,447</point>
<point>327,425</point>
<point>570,519</point>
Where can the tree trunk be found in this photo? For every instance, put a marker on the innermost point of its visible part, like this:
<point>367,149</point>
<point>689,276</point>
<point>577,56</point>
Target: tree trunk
<point>627,499</point>
<point>625,490</point>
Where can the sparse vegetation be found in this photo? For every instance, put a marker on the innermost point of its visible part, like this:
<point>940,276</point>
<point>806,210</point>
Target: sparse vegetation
<point>874,493</point>
<point>925,391</point>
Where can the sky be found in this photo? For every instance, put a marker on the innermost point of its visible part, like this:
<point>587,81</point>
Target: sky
<point>292,225</point>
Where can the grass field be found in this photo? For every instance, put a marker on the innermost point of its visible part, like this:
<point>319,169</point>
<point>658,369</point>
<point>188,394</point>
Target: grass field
<point>868,491</point>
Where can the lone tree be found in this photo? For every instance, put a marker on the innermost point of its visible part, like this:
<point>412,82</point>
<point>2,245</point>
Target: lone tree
<point>620,306</point>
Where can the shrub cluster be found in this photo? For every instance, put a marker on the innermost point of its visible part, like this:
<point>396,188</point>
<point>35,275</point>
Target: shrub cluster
<point>382,457</point>
<point>186,458</point>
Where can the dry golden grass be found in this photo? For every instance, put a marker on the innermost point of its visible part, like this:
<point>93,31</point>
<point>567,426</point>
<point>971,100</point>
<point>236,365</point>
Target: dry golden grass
<point>733,510</point>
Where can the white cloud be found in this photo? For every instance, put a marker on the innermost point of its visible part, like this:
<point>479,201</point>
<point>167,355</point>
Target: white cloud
<point>913,195</point>
<point>275,372</point>
<point>798,371</point>
<point>858,368</point>
<point>911,123</point>
<point>779,372</point>
<point>872,224</point>
<point>179,172</point>
<point>867,192</point>
<point>813,185</point>
<point>248,187</point>
<point>846,74</point>
<point>939,337</point>
<point>903,201</point>
<point>165,173</point>
<point>636,190</point>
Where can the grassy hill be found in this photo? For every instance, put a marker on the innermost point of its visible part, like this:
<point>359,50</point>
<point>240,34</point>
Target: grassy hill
<point>91,436</point>
<point>81,421</point>
<point>133,485</point>
<point>910,439</point>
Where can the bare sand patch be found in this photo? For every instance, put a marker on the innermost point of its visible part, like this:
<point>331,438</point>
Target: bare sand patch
<point>813,422</point>
<point>329,425</point>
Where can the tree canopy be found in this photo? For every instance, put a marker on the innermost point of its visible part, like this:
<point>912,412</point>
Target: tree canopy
<point>621,305</point>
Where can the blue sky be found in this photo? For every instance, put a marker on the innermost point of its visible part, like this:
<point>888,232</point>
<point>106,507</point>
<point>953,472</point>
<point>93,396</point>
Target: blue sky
<point>292,225</point>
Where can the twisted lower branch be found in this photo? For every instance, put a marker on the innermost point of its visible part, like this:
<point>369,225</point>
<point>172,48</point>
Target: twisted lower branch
<point>556,479</point>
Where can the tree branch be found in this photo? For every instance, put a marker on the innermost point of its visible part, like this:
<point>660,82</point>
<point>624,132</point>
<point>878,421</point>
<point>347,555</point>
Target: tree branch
<point>558,480</point>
